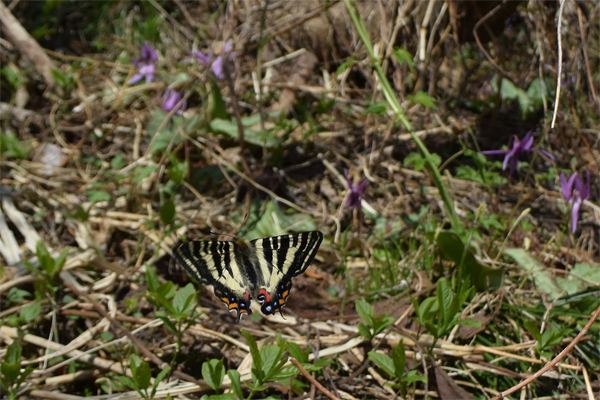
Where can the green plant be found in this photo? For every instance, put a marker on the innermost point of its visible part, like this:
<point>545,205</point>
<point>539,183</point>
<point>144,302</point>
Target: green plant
<point>181,308</point>
<point>141,377</point>
<point>10,147</point>
<point>551,337</point>
<point>374,325</point>
<point>394,366</point>
<point>11,376</point>
<point>268,366</point>
<point>27,314</point>
<point>439,314</point>
<point>48,270</point>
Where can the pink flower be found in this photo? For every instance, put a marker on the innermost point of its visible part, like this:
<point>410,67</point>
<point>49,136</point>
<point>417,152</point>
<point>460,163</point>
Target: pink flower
<point>518,147</point>
<point>145,65</point>
<point>356,193</point>
<point>575,192</point>
<point>171,99</point>
<point>216,64</point>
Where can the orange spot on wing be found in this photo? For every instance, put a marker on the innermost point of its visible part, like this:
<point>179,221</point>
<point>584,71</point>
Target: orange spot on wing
<point>225,300</point>
<point>281,301</point>
<point>285,294</point>
<point>233,306</point>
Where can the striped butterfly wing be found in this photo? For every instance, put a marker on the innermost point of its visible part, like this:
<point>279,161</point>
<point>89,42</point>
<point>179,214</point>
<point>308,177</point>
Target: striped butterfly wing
<point>222,264</point>
<point>280,259</point>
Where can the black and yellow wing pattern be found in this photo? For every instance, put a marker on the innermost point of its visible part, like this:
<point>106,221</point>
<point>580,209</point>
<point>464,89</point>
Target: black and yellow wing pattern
<point>241,270</point>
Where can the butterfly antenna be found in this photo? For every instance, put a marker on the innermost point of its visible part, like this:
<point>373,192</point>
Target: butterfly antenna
<point>280,313</point>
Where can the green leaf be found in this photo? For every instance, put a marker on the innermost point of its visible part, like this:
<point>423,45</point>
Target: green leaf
<point>416,159</point>
<point>11,147</point>
<point>219,108</point>
<point>59,262</point>
<point>344,66</point>
<point>30,312</point>
<point>176,172</point>
<point>118,162</point>
<point>165,319</point>
<point>452,249</point>
<point>542,277</point>
<point>161,375</point>
<point>381,323</point>
<point>95,196</point>
<point>399,360</point>
<point>445,298</point>
<point>532,328</point>
<point>297,353</point>
<point>285,373</point>
<point>63,80</point>
<point>127,381</point>
<point>11,364</point>
<point>167,212</point>
<point>379,108</point>
<point>270,356</point>
<point>256,359</point>
<point>580,278</point>
<point>252,136</point>
<point>142,173</point>
<point>365,331</point>
<point>236,384</point>
<point>403,56</point>
<point>383,361</point>
<point>273,220</point>
<point>365,311</point>
<point>184,298</point>
<point>166,304</point>
<point>213,373</point>
<point>223,396</point>
<point>414,376</point>
<point>152,279</point>
<point>141,371</point>
<point>424,99</point>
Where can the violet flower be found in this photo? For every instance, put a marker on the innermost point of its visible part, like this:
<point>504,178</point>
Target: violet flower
<point>575,192</point>
<point>518,147</point>
<point>170,100</point>
<point>216,63</point>
<point>145,65</point>
<point>356,193</point>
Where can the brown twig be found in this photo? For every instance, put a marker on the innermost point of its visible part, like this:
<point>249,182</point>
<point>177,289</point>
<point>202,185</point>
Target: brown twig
<point>313,380</point>
<point>553,362</point>
<point>485,53</point>
<point>26,44</point>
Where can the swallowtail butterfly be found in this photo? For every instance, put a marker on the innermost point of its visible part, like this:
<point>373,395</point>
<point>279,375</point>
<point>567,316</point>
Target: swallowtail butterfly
<point>241,270</point>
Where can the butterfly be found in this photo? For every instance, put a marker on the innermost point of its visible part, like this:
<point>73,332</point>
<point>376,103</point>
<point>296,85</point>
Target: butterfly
<point>240,270</point>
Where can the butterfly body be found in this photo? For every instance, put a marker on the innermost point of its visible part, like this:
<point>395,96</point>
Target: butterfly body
<point>241,270</point>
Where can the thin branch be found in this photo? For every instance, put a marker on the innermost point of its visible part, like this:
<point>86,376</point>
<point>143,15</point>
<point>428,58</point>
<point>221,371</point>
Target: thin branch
<point>313,380</point>
<point>553,362</point>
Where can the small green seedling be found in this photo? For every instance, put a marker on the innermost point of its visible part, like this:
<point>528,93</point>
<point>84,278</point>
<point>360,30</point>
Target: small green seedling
<point>48,270</point>
<point>374,326</point>
<point>394,366</point>
<point>11,377</point>
<point>141,377</point>
<point>441,313</point>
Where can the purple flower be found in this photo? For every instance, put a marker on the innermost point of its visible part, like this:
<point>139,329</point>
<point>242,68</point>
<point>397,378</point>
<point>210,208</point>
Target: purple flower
<point>514,154</point>
<point>575,192</point>
<point>356,193</point>
<point>171,99</point>
<point>145,65</point>
<point>216,63</point>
